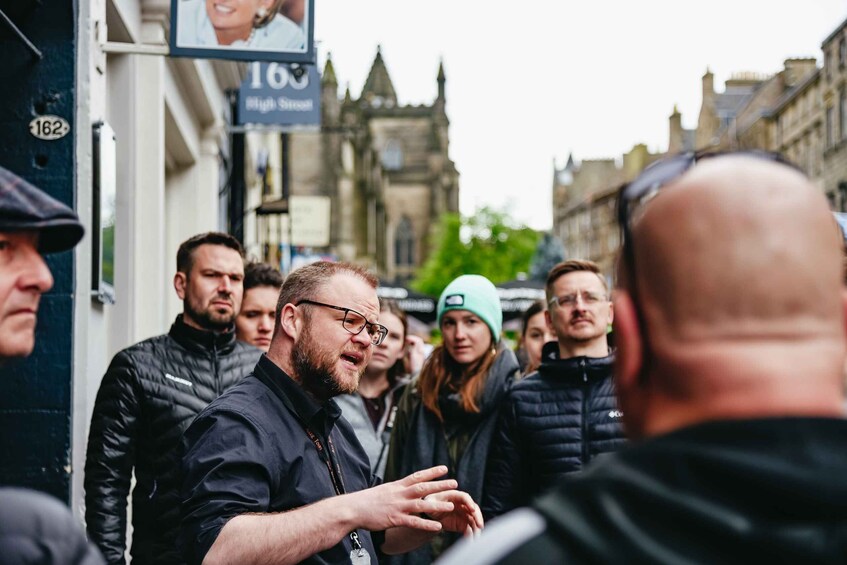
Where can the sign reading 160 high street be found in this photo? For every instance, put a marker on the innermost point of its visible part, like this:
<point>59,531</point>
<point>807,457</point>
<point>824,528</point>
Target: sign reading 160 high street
<point>280,94</point>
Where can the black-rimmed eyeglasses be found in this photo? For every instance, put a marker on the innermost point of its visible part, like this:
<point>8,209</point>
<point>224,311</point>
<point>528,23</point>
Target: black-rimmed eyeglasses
<point>354,322</point>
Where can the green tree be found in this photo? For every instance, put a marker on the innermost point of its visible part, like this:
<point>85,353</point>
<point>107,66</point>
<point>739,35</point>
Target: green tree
<point>489,243</point>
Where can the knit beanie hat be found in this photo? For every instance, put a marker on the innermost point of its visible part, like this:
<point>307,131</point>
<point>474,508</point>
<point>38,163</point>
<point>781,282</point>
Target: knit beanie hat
<point>476,294</point>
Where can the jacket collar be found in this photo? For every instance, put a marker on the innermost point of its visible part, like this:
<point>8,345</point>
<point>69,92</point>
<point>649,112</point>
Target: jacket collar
<point>552,364</point>
<point>318,417</point>
<point>200,340</point>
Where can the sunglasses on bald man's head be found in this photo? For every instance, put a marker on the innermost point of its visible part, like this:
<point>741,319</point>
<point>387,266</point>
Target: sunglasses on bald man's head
<point>659,174</point>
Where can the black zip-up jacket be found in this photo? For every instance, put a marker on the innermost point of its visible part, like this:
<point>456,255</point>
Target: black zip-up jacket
<point>552,423</point>
<point>148,397</point>
<point>770,491</point>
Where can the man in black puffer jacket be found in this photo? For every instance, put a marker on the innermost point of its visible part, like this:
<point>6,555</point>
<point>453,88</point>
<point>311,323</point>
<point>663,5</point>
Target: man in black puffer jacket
<point>558,419</point>
<point>151,393</point>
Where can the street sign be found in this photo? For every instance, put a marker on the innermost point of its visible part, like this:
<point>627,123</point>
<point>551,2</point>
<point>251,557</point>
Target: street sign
<point>280,94</point>
<point>310,221</point>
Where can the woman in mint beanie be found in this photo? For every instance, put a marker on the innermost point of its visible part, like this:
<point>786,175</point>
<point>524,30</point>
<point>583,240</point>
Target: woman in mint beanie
<point>447,415</point>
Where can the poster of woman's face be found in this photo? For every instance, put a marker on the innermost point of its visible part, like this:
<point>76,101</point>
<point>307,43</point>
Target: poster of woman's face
<point>251,30</point>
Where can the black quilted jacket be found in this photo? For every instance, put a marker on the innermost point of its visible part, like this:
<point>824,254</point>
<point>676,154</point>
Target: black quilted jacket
<point>552,423</point>
<point>148,397</point>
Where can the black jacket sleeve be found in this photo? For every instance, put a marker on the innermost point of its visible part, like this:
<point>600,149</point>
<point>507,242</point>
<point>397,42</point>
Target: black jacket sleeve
<point>505,473</point>
<point>110,458</point>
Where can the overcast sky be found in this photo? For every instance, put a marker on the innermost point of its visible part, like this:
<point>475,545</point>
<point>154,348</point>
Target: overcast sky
<point>531,81</point>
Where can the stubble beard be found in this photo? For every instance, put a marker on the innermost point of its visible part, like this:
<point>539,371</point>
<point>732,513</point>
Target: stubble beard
<point>316,370</point>
<point>209,318</point>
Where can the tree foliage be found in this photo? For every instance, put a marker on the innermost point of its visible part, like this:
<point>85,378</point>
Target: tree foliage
<point>489,243</point>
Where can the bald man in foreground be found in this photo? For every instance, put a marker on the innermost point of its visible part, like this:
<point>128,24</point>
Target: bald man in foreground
<point>730,317</point>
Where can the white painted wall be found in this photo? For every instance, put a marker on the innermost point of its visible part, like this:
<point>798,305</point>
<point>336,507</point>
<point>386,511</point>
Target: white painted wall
<point>167,118</point>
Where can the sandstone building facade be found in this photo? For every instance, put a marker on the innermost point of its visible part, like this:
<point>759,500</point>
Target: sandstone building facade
<point>801,112</point>
<point>384,167</point>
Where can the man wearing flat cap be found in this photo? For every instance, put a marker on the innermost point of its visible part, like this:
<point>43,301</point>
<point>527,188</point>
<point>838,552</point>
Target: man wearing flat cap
<point>34,527</point>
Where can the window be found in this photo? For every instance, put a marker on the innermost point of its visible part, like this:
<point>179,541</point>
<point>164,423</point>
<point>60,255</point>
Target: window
<point>830,126</point>
<point>827,65</point>
<point>392,155</point>
<point>404,244</point>
<point>842,53</point>
<point>842,110</point>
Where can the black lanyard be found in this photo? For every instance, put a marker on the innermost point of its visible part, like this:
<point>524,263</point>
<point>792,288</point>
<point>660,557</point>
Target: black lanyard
<point>331,459</point>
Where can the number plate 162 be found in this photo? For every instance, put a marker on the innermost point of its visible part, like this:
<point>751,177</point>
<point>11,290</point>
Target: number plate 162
<point>49,128</point>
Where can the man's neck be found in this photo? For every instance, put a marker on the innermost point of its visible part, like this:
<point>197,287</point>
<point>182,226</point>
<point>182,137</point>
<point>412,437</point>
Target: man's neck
<point>281,360</point>
<point>595,348</point>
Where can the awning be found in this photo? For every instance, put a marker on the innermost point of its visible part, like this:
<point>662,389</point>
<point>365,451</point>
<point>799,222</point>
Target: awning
<point>518,295</point>
<point>420,306</point>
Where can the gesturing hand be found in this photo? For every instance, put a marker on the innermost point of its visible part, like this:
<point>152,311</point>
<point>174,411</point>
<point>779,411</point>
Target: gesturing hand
<point>400,503</point>
<point>466,517</point>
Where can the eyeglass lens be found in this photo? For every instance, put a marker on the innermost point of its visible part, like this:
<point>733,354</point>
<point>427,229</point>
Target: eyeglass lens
<point>587,297</point>
<point>355,323</point>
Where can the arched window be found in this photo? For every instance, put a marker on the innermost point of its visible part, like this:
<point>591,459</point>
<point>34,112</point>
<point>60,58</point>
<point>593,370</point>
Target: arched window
<point>404,244</point>
<point>392,155</point>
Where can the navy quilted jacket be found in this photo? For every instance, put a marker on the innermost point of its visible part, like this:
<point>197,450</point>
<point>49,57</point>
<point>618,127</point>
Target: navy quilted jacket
<point>552,423</point>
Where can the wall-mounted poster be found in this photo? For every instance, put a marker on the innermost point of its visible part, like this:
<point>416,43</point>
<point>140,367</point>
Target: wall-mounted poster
<point>250,30</point>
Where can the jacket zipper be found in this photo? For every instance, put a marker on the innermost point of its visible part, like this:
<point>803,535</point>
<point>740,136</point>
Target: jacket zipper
<point>216,367</point>
<point>584,413</point>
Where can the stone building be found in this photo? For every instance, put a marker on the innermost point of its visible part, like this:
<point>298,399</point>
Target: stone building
<point>743,115</point>
<point>800,111</point>
<point>798,131</point>
<point>384,166</point>
<point>584,213</point>
<point>833,85</point>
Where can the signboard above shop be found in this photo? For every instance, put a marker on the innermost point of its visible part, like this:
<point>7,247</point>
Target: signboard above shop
<point>310,221</point>
<point>275,94</point>
<point>258,30</point>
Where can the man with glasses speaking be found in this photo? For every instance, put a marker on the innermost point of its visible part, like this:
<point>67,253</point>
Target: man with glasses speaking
<point>272,474</point>
<point>555,421</point>
<point>730,330</point>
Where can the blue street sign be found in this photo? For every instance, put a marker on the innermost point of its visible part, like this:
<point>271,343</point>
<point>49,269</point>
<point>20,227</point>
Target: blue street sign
<point>280,94</point>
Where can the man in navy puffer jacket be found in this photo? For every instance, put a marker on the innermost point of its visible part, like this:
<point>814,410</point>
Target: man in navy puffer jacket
<point>558,419</point>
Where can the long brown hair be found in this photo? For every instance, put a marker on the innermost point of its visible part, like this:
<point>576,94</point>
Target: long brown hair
<point>390,306</point>
<point>441,371</point>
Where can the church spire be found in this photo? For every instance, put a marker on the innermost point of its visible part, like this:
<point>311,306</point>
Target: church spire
<point>329,72</point>
<point>441,79</point>
<point>378,85</point>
